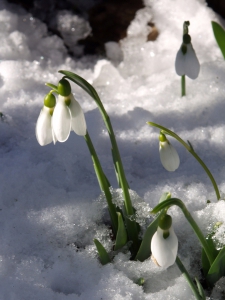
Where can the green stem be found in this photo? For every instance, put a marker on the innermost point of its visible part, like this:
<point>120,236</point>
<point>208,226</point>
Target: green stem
<point>190,148</point>
<point>183,86</point>
<point>103,183</point>
<point>194,225</point>
<point>131,225</point>
<point>188,278</point>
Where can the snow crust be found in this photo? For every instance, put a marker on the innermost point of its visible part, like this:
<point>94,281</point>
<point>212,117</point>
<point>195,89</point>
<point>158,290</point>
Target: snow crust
<point>51,207</point>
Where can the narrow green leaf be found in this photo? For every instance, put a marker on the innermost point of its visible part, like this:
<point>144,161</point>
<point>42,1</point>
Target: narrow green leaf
<point>200,289</point>
<point>188,278</point>
<point>103,255</point>
<point>116,169</point>
<point>217,269</point>
<point>121,237</point>
<point>52,86</point>
<point>219,34</point>
<point>205,261</point>
<point>144,251</point>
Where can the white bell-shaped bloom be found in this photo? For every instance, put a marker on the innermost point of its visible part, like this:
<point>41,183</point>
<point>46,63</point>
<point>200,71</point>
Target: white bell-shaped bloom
<point>168,156</point>
<point>78,122</point>
<point>164,250</point>
<point>68,114</point>
<point>44,133</point>
<point>187,64</point>
<point>61,120</point>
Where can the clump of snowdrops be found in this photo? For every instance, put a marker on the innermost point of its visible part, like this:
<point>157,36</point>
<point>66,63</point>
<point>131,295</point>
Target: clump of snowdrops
<point>55,122</point>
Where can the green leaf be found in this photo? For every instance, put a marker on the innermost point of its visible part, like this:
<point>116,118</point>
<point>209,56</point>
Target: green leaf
<point>52,86</point>
<point>200,289</point>
<point>219,34</point>
<point>144,251</point>
<point>121,237</point>
<point>205,261</point>
<point>217,269</point>
<point>103,255</point>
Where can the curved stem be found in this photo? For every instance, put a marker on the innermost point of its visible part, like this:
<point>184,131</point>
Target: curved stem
<point>131,225</point>
<point>188,278</point>
<point>190,148</point>
<point>103,183</point>
<point>194,225</point>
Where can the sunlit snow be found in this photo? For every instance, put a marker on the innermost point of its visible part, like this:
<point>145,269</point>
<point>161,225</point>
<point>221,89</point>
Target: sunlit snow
<point>51,207</point>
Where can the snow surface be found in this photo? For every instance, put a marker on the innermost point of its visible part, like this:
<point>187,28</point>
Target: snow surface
<point>51,207</point>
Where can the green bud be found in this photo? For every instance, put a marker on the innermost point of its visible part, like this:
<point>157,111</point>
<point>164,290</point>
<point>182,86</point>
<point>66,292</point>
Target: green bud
<point>49,100</point>
<point>186,38</point>
<point>64,87</point>
<point>165,222</point>
<point>162,137</point>
<point>140,281</point>
<point>208,201</point>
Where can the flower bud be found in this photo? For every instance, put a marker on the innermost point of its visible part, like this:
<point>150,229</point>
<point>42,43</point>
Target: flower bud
<point>168,154</point>
<point>64,87</point>
<point>49,100</point>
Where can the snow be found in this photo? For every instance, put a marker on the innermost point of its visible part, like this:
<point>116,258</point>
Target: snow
<point>51,207</point>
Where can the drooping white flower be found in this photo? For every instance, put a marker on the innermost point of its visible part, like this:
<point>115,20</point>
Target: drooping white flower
<point>44,132</point>
<point>43,127</point>
<point>68,114</point>
<point>168,156</point>
<point>164,250</point>
<point>186,62</point>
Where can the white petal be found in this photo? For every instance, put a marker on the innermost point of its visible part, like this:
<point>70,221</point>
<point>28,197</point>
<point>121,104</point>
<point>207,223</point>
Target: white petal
<point>43,127</point>
<point>180,63</point>
<point>168,156</point>
<point>164,250</point>
<point>192,66</point>
<point>54,137</point>
<point>78,122</point>
<point>61,121</point>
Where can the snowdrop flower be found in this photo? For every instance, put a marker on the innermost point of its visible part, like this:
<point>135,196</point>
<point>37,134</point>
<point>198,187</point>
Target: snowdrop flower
<point>44,133</point>
<point>164,243</point>
<point>168,154</point>
<point>68,114</point>
<point>186,62</point>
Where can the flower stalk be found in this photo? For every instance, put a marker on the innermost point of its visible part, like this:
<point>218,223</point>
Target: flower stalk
<point>194,225</point>
<point>183,86</point>
<point>190,148</point>
<point>188,278</point>
<point>103,183</point>
<point>129,211</point>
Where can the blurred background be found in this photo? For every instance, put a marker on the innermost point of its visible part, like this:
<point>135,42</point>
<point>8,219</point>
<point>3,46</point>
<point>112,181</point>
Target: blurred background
<point>89,24</point>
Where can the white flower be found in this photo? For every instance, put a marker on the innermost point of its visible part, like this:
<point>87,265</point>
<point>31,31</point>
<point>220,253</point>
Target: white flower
<point>68,114</point>
<point>44,133</point>
<point>187,64</point>
<point>168,156</point>
<point>164,251</point>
